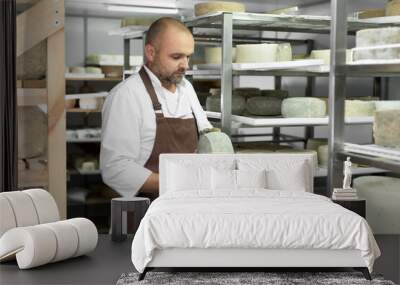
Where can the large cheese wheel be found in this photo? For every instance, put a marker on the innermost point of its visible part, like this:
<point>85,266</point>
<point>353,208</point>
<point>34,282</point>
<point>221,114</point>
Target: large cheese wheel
<point>383,200</point>
<point>32,132</point>
<point>284,52</point>
<point>281,94</point>
<point>264,106</point>
<point>387,105</point>
<point>393,8</point>
<point>358,108</point>
<point>218,6</point>
<point>215,142</point>
<point>214,55</point>
<point>213,103</point>
<point>377,37</point>
<point>247,92</point>
<point>387,128</point>
<point>256,53</point>
<point>303,107</point>
<point>325,55</point>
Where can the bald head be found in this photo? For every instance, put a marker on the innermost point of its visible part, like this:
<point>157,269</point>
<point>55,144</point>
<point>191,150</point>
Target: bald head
<point>162,27</point>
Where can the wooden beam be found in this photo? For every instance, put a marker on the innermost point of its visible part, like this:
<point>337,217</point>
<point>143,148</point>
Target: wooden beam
<point>38,23</point>
<point>56,120</point>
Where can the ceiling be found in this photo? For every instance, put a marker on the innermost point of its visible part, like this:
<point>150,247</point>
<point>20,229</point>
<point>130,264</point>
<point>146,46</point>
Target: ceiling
<point>98,8</point>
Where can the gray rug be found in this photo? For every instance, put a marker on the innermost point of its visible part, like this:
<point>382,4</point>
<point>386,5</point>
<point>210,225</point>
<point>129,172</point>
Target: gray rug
<point>242,278</point>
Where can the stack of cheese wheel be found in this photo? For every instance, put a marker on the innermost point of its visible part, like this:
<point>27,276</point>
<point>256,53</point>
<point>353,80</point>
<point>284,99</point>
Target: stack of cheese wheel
<point>325,55</point>
<point>393,8</point>
<point>386,128</point>
<point>213,104</point>
<point>264,106</point>
<point>248,53</point>
<point>218,6</point>
<point>303,107</point>
<point>281,94</point>
<point>247,92</point>
<point>383,196</point>
<point>214,55</point>
<point>359,108</point>
<point>377,37</point>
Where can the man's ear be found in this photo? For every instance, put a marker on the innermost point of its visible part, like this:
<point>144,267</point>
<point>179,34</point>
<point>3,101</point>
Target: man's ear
<point>150,52</point>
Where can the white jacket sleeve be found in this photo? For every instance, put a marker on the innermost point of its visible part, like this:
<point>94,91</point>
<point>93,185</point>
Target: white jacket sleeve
<point>120,143</point>
<point>198,111</point>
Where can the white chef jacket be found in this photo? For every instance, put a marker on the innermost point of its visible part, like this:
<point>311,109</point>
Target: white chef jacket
<point>129,128</point>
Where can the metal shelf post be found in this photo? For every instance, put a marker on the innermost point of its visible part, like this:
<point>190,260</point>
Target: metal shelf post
<point>226,76</point>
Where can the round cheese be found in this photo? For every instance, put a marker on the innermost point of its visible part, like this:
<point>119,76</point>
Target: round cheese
<point>325,55</point>
<point>77,69</point>
<point>214,55</point>
<point>218,6</point>
<point>247,92</point>
<point>256,53</point>
<point>93,70</point>
<point>281,94</point>
<point>284,52</point>
<point>215,142</point>
<point>303,107</point>
<point>383,199</point>
<point>386,128</point>
<point>264,106</point>
<point>213,104</point>
<point>358,108</point>
<point>393,8</point>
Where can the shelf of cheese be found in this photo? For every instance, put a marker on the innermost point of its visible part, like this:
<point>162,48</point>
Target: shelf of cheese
<point>288,122</point>
<point>272,22</point>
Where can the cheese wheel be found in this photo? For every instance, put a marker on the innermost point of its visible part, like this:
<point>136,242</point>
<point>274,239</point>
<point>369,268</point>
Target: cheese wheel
<point>214,55</point>
<point>77,69</point>
<point>281,94</point>
<point>284,52</point>
<point>264,106</point>
<point>7,220</point>
<point>379,36</point>
<point>246,92</point>
<point>358,108</point>
<point>215,142</point>
<point>303,107</point>
<point>383,199</point>
<point>248,53</point>
<point>32,132</point>
<point>386,128</point>
<point>387,105</point>
<point>93,70</point>
<point>314,144</point>
<point>323,155</point>
<point>213,103</point>
<point>218,6</point>
<point>325,55</point>
<point>393,8</point>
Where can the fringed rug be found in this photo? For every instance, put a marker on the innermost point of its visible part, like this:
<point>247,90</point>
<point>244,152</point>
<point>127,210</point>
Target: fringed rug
<point>243,278</point>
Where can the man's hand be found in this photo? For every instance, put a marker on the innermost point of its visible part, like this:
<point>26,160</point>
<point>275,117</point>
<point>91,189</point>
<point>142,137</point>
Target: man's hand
<point>151,185</point>
<point>209,130</point>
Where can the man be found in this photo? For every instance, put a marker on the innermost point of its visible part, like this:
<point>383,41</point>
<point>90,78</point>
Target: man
<point>153,112</point>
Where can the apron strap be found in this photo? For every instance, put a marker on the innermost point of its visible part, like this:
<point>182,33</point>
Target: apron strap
<point>150,89</point>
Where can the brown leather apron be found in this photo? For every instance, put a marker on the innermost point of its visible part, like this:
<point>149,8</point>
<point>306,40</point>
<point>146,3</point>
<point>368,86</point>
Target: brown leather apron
<point>173,135</point>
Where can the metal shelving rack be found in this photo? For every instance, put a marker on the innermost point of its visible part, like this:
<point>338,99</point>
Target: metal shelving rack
<point>339,71</point>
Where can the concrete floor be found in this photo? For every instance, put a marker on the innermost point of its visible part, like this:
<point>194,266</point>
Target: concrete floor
<point>110,260</point>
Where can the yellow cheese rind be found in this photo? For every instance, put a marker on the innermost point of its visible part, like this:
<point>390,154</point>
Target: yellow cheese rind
<point>218,6</point>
